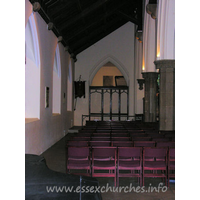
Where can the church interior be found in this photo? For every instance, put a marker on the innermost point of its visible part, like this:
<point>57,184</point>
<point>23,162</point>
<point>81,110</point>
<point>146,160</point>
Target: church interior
<point>99,76</point>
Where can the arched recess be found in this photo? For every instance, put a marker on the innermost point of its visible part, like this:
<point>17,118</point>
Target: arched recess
<point>57,83</point>
<point>69,87</point>
<point>110,103</point>
<point>103,61</point>
<point>32,70</point>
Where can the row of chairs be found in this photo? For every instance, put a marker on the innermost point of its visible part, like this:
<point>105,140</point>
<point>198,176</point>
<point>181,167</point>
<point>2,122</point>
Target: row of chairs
<point>124,136</point>
<point>115,129</point>
<point>140,162</point>
<point>121,139</point>
<point>86,143</point>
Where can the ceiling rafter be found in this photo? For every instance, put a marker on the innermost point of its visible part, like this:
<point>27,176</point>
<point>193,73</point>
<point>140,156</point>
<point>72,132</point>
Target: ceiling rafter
<point>64,24</point>
<point>95,20</point>
<point>128,17</point>
<point>81,23</point>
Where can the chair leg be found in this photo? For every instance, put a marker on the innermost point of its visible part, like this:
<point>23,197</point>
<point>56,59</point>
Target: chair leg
<point>117,177</point>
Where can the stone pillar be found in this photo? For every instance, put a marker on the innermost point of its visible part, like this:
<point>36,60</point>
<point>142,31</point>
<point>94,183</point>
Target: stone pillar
<point>150,96</point>
<point>167,94</point>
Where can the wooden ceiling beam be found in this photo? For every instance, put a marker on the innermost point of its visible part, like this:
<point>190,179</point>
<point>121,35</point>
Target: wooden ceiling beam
<point>95,20</point>
<point>56,12</point>
<point>128,17</point>
<point>65,24</point>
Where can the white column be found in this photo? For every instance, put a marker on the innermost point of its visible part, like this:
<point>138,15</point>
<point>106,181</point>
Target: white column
<point>166,29</point>
<point>149,41</point>
<point>166,63</point>
<point>139,94</point>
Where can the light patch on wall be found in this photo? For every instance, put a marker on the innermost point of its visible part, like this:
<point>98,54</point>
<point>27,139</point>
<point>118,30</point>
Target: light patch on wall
<point>143,65</point>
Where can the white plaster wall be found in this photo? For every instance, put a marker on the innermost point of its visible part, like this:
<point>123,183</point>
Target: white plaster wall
<point>32,95</point>
<point>56,92</point>
<point>43,133</point>
<point>118,47</point>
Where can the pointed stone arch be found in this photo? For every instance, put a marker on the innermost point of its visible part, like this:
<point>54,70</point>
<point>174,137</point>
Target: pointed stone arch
<point>102,62</point>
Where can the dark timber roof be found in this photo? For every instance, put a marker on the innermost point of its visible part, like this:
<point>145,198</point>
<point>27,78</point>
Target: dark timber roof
<point>81,23</point>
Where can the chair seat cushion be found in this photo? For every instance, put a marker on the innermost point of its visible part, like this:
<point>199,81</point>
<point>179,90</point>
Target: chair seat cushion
<point>155,164</point>
<point>128,164</point>
<point>78,164</point>
<point>103,164</point>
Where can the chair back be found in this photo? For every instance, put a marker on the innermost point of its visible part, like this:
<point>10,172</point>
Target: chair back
<point>171,154</point>
<point>124,152</point>
<point>72,143</point>
<point>165,144</point>
<point>144,143</point>
<point>78,153</point>
<point>154,153</point>
<point>141,138</point>
<point>120,139</point>
<point>100,143</point>
<point>122,143</point>
<point>104,153</point>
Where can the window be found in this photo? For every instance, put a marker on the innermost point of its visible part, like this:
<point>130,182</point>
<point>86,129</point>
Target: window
<point>69,87</point>
<point>32,70</point>
<point>57,83</point>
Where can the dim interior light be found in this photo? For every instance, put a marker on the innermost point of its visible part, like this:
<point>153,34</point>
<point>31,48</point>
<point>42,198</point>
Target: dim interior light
<point>143,68</point>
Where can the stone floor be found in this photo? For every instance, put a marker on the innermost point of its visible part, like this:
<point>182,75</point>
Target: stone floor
<point>55,159</point>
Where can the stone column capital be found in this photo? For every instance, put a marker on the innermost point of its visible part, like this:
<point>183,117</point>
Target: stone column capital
<point>150,75</point>
<point>161,64</point>
<point>151,9</point>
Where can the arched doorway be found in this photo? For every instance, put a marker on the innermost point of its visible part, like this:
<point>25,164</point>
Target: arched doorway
<point>108,94</point>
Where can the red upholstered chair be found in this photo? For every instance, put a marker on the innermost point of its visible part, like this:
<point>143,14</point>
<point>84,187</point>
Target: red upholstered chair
<point>122,143</point>
<point>160,139</point>
<point>78,159</point>
<point>84,135</point>
<point>100,143</point>
<point>136,131</point>
<point>171,164</point>
<point>71,143</point>
<point>120,139</point>
<point>101,135</point>
<point>154,160</point>
<point>104,162</point>
<point>100,138</point>
<point>103,130</point>
<point>144,143</point>
<point>127,167</point>
<point>165,144</point>
<point>80,138</point>
<point>155,135</point>
<point>135,135</point>
<point>119,131</point>
<point>119,134</point>
<point>87,131</point>
<point>141,138</point>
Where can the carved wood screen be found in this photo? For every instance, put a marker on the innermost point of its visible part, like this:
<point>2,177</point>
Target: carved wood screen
<point>109,103</point>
